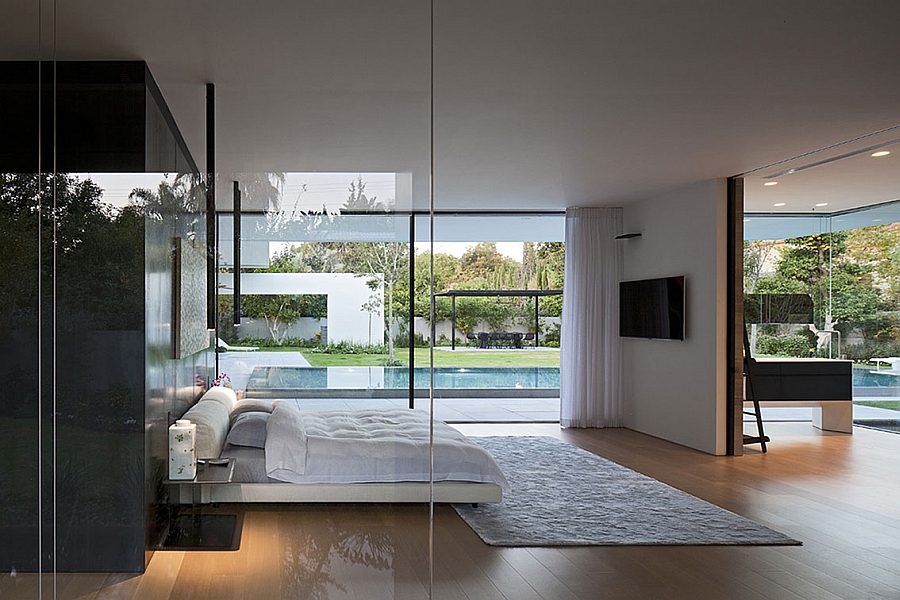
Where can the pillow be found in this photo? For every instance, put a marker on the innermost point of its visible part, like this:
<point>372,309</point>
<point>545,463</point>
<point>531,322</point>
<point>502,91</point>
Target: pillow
<point>285,443</point>
<point>249,429</point>
<point>245,406</point>
<point>212,427</point>
<point>221,394</point>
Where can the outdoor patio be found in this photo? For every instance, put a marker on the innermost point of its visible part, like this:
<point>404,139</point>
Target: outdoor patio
<point>513,409</point>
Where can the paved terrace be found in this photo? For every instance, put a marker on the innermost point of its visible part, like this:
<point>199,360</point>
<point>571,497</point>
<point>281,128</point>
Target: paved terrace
<point>239,365</point>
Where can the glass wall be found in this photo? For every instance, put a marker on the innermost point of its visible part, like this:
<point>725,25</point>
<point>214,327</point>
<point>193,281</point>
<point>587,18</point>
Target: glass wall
<point>89,329</point>
<point>324,303</point>
<point>498,282</point>
<point>845,264</point>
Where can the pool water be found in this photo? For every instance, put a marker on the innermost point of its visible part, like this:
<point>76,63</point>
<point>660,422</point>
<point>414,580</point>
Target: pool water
<point>865,381</point>
<point>263,378</point>
<point>869,377</point>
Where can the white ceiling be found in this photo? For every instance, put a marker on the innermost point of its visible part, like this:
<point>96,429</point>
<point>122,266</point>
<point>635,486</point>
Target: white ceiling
<point>537,105</point>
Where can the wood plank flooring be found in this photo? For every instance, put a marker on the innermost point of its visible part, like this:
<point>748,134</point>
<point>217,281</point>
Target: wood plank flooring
<point>839,494</point>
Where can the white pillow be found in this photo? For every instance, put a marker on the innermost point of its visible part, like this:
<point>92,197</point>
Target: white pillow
<point>285,443</point>
<point>222,394</point>
<point>250,405</point>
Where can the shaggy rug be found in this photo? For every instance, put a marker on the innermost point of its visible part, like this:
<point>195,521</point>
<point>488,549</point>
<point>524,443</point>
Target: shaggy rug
<point>565,496</point>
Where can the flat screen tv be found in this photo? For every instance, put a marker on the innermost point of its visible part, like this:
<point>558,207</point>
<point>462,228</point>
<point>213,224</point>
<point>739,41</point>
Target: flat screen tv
<point>652,308</point>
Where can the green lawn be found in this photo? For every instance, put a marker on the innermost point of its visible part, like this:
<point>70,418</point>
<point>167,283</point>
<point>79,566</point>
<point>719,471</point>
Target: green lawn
<point>889,404</point>
<point>442,358</point>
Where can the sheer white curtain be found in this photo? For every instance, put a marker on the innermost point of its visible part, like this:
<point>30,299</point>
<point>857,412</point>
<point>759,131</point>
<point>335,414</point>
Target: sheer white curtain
<point>590,387</point>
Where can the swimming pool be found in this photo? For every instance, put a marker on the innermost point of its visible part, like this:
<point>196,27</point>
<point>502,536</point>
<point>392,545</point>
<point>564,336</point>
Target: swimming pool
<point>397,378</point>
<point>869,377</point>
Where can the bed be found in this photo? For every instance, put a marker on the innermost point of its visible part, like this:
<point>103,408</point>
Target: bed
<point>285,454</point>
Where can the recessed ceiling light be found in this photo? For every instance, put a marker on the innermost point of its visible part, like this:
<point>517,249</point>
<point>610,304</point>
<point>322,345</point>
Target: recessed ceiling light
<point>778,204</point>
<point>822,204</point>
<point>770,183</point>
<point>881,153</point>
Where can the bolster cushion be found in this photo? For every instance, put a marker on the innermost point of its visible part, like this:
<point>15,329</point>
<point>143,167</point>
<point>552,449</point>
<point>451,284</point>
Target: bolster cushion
<point>221,394</point>
<point>211,418</point>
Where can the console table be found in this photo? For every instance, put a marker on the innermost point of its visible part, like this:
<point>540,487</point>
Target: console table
<point>824,384</point>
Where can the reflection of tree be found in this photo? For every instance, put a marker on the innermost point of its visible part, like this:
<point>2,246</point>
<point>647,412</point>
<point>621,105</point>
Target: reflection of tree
<point>308,558</point>
<point>106,293</point>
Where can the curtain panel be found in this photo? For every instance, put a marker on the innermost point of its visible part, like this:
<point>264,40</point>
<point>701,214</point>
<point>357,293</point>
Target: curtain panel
<point>591,387</point>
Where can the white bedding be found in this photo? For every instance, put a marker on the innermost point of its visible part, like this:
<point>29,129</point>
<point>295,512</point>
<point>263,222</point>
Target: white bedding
<point>370,446</point>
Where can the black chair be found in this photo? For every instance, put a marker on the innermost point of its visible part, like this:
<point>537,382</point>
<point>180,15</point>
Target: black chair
<point>495,339</point>
<point>530,337</point>
<point>471,338</point>
<point>507,339</point>
<point>483,340</point>
<point>517,339</point>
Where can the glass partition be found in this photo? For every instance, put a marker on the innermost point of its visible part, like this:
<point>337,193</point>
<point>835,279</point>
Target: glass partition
<point>324,292</point>
<point>845,264</point>
<point>498,284</point>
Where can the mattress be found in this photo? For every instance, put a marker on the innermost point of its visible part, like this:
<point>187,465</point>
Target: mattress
<point>366,446</point>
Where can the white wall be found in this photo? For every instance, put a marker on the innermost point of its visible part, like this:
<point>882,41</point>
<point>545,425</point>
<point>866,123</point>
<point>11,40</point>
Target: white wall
<point>676,390</point>
<point>347,321</point>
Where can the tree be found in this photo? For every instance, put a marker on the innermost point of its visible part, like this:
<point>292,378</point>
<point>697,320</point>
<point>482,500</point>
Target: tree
<point>757,256</point>
<point>842,290</point>
<point>278,310</point>
<point>483,261</point>
<point>879,247</point>
<point>387,263</point>
<point>550,272</point>
<point>359,202</point>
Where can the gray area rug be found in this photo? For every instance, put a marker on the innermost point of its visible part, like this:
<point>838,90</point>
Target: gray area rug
<point>565,496</point>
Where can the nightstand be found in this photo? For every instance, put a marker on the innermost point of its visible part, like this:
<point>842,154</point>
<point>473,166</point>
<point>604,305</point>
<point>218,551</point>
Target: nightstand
<point>194,530</point>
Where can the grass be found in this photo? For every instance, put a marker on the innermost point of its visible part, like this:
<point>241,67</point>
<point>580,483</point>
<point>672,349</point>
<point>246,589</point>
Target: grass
<point>889,404</point>
<point>442,358</point>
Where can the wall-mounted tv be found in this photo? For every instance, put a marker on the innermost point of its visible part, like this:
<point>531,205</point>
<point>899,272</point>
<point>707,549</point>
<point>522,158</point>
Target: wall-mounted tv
<point>652,308</point>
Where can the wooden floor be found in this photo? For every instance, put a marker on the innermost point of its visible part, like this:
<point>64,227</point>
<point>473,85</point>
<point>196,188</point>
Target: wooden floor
<point>839,494</point>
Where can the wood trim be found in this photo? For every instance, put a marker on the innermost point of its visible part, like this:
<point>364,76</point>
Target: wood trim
<point>735,283</point>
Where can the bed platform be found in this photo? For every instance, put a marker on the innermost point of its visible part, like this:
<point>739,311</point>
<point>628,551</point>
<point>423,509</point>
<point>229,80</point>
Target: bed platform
<point>285,455</point>
<point>392,493</point>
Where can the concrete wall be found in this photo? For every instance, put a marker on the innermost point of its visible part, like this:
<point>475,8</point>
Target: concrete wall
<point>676,390</point>
<point>347,321</point>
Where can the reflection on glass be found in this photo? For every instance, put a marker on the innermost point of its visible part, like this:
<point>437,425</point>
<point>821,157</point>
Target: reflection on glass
<point>325,273</point>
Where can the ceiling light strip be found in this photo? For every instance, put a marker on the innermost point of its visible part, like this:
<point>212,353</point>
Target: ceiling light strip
<point>832,159</point>
<point>812,152</point>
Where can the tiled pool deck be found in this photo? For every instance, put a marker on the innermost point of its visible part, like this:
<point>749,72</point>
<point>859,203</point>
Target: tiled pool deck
<point>239,366</point>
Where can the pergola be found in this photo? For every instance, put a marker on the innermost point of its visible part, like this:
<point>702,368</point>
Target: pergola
<point>453,294</point>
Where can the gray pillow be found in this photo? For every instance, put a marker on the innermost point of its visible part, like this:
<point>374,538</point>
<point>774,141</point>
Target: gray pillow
<point>249,429</point>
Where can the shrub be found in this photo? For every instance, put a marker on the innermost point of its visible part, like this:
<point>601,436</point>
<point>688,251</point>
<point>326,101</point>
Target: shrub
<point>268,342</point>
<point>345,347</point>
<point>783,345</point>
<point>872,348</point>
<point>401,340</point>
<point>551,337</point>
